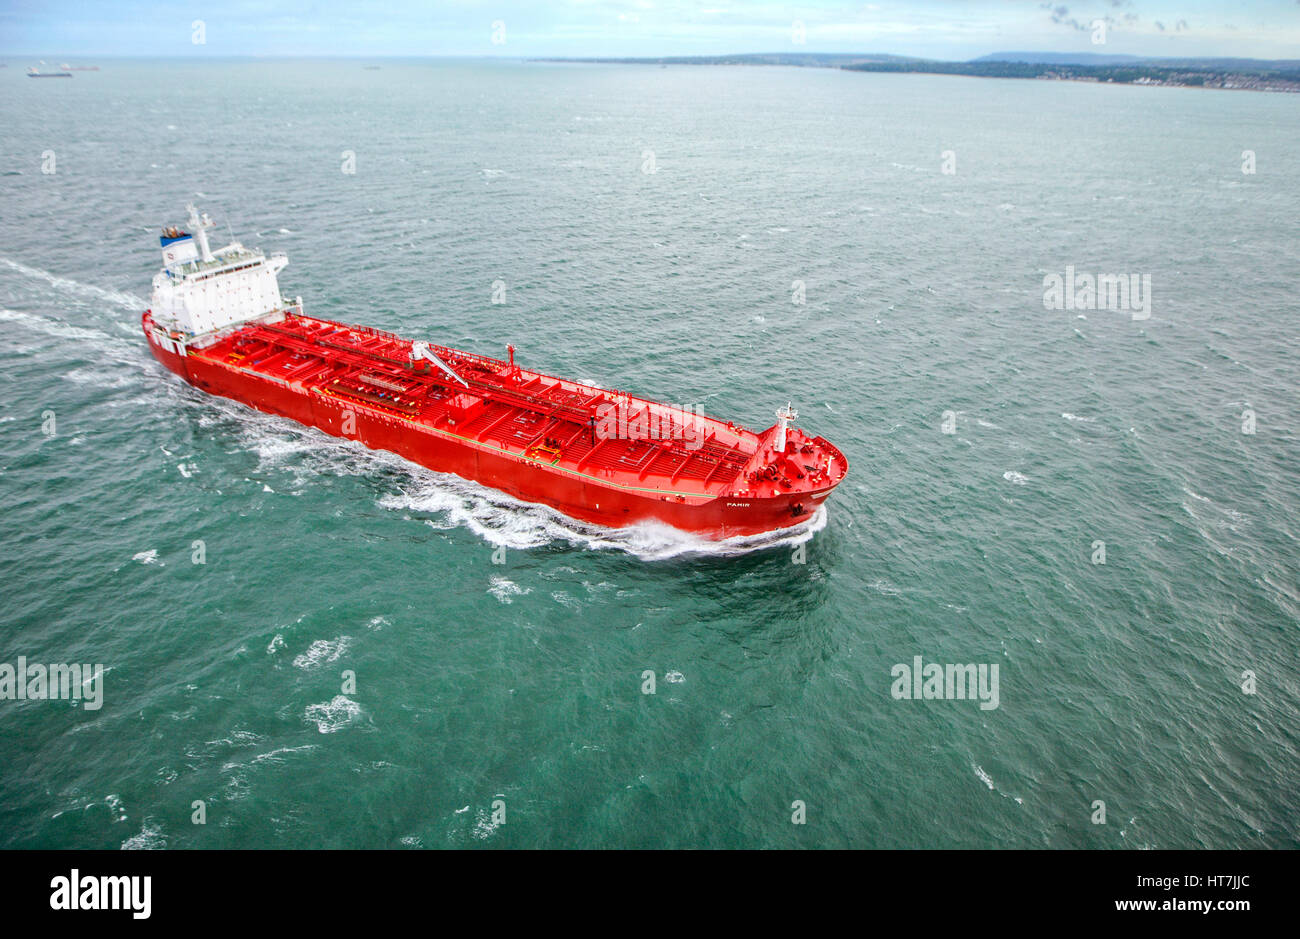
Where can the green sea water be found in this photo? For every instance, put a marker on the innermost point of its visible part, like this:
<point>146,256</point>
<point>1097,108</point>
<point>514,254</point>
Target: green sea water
<point>648,227</point>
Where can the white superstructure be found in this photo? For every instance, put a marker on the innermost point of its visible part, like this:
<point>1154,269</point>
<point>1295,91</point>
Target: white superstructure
<point>200,290</point>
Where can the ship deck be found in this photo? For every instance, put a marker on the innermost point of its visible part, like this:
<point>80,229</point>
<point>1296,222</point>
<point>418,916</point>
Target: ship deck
<point>537,417</point>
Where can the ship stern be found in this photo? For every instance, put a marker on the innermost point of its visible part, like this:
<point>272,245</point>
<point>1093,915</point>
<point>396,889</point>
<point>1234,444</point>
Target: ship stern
<point>167,346</point>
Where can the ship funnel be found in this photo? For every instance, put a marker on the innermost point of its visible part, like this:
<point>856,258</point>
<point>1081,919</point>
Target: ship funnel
<point>783,418</point>
<point>420,350</point>
<point>199,226</point>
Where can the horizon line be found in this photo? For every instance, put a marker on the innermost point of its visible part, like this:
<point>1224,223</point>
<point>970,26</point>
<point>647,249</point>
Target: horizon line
<point>593,58</point>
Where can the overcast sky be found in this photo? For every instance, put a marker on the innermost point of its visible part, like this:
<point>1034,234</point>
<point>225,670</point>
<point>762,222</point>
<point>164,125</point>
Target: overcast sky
<point>946,29</point>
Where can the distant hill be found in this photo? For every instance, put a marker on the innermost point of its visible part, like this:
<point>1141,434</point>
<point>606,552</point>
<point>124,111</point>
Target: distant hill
<point>842,59</point>
<point>804,59</point>
<point>1094,58</point>
<point>1060,58</point>
<point>1137,72</point>
<point>1239,74</point>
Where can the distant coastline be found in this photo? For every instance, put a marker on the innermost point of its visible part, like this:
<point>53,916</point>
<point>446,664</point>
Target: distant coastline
<point>1224,74</point>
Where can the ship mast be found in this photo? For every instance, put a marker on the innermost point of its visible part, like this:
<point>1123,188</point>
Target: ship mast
<point>199,225</point>
<point>783,418</point>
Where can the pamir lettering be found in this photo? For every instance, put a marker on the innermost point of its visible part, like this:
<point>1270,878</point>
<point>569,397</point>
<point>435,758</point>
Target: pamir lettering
<point>102,892</point>
<point>945,683</point>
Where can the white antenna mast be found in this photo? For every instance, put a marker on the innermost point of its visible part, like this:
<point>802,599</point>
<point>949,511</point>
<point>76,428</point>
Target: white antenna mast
<point>783,417</point>
<point>200,225</point>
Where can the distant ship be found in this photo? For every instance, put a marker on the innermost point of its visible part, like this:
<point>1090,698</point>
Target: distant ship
<point>34,73</point>
<point>217,320</point>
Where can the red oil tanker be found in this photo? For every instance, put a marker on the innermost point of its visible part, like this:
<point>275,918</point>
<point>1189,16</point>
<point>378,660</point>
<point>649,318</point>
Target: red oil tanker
<point>218,321</point>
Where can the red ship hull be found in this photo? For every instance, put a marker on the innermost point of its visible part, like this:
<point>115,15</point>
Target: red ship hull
<point>592,480</point>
